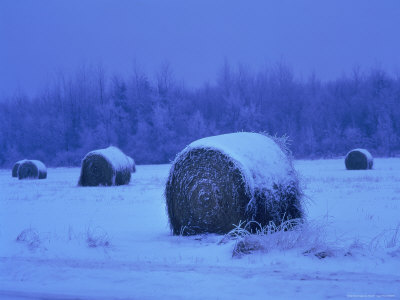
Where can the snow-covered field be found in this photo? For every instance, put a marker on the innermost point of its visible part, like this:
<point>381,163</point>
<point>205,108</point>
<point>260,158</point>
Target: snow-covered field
<point>60,241</point>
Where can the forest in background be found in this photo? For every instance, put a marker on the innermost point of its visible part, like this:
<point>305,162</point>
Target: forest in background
<point>152,118</point>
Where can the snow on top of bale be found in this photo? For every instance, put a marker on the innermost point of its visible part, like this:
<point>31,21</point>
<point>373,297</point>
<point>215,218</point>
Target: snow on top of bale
<point>131,163</point>
<point>34,169</point>
<point>109,166</point>
<point>113,155</point>
<point>39,165</point>
<point>363,151</point>
<point>21,161</point>
<point>261,168</point>
<point>14,171</point>
<point>131,160</point>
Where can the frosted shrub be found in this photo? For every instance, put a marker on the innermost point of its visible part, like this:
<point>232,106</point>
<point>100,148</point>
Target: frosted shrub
<point>290,234</point>
<point>388,239</point>
<point>30,238</point>
<point>97,237</point>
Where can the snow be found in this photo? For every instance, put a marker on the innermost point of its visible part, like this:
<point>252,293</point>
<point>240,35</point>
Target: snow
<point>21,161</point>
<point>39,165</point>
<point>131,163</point>
<point>363,151</point>
<point>134,255</point>
<point>114,156</point>
<point>17,164</point>
<point>260,168</point>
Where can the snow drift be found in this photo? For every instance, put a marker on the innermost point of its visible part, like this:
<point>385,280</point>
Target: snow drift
<point>218,181</point>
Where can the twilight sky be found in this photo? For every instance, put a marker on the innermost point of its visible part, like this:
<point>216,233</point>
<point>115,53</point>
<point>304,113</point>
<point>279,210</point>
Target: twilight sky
<point>330,37</point>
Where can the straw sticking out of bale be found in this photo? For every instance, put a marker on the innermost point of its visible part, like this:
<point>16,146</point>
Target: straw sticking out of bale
<point>106,167</point>
<point>32,169</point>
<point>359,159</point>
<point>219,181</point>
<point>15,168</point>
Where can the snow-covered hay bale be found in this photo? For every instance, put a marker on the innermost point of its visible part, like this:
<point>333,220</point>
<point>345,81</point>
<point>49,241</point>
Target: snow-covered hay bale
<point>32,169</point>
<point>107,167</point>
<point>359,159</point>
<point>15,168</point>
<point>132,164</point>
<point>218,181</point>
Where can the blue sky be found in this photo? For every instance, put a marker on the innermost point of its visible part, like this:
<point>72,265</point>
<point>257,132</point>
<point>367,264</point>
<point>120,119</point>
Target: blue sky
<point>38,38</point>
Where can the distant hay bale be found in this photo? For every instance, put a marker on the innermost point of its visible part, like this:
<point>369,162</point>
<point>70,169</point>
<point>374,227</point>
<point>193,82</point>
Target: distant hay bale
<point>218,181</point>
<point>32,169</point>
<point>359,159</point>
<point>15,168</point>
<point>106,167</point>
<point>132,164</point>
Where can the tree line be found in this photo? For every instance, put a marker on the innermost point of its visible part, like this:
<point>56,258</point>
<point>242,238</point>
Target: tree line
<point>152,118</point>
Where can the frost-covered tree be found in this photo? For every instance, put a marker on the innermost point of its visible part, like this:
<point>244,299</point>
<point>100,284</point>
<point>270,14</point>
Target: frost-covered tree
<point>153,118</point>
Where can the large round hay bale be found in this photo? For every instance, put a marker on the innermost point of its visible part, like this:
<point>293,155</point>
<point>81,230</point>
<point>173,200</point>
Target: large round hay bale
<point>218,181</point>
<point>15,168</point>
<point>32,169</point>
<point>359,159</point>
<point>106,167</point>
<point>132,164</point>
